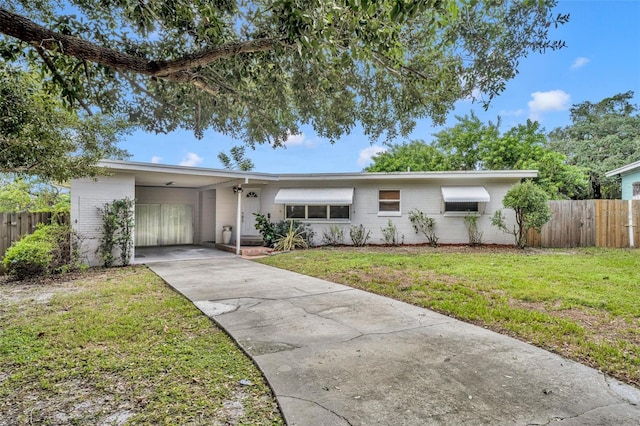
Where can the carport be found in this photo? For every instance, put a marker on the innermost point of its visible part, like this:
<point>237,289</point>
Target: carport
<point>175,207</point>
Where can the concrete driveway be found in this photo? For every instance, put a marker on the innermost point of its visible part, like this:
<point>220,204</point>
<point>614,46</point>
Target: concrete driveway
<point>148,255</point>
<point>335,355</point>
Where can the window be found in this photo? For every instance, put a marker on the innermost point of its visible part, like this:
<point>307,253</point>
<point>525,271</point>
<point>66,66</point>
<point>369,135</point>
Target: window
<point>316,203</point>
<point>460,200</point>
<point>317,212</point>
<point>389,202</point>
<point>296,212</point>
<point>467,206</point>
<point>338,212</point>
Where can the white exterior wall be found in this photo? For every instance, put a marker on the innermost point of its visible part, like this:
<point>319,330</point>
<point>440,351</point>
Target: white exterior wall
<point>226,208</point>
<point>87,196</point>
<point>425,196</point>
<point>208,215</point>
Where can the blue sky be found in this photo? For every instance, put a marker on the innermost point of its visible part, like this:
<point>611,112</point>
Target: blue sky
<point>602,58</point>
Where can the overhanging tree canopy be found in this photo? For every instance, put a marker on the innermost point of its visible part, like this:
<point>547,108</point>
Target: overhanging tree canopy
<point>40,137</point>
<point>257,70</point>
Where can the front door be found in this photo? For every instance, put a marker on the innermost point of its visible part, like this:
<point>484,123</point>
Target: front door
<point>250,205</point>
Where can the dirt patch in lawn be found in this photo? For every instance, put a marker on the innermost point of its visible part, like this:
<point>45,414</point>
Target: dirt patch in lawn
<point>600,325</point>
<point>42,289</point>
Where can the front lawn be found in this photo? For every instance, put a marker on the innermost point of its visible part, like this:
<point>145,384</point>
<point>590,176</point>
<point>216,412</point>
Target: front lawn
<point>118,346</point>
<point>581,303</point>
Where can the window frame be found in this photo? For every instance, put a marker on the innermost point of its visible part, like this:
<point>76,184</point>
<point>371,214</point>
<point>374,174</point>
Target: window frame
<point>381,201</point>
<point>327,216</point>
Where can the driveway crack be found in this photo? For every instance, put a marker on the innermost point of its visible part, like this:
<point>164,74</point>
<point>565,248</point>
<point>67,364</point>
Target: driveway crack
<point>319,405</point>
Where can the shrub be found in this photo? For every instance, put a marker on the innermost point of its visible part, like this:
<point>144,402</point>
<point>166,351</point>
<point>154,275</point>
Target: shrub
<point>423,224</point>
<point>390,235</point>
<point>475,235</point>
<point>273,232</point>
<point>333,236</point>
<point>47,250</point>
<point>266,229</point>
<point>28,258</point>
<point>529,202</point>
<point>294,238</point>
<point>359,235</point>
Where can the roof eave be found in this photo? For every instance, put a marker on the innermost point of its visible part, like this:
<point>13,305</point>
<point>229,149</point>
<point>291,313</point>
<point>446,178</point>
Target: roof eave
<point>187,170</point>
<point>487,174</point>
<point>623,169</point>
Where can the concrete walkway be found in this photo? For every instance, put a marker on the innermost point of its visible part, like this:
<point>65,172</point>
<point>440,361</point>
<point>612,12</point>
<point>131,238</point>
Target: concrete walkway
<point>335,355</point>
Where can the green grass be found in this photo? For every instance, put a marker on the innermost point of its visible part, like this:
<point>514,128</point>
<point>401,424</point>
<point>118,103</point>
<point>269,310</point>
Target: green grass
<point>584,304</point>
<point>120,341</point>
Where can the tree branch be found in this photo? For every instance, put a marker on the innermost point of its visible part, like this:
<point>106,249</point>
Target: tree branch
<point>144,90</point>
<point>60,80</point>
<point>40,37</point>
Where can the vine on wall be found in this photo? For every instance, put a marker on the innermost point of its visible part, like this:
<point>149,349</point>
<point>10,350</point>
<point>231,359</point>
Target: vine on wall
<point>117,231</point>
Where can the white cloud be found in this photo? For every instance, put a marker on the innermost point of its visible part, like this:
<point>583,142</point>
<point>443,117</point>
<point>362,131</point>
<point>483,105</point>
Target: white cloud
<point>368,153</point>
<point>299,140</point>
<point>295,139</point>
<point>580,62</point>
<point>191,159</point>
<point>155,159</point>
<point>553,100</point>
<point>511,113</point>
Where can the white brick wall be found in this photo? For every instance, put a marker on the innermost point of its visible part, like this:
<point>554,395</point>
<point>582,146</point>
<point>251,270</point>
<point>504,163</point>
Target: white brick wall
<point>87,195</point>
<point>226,207</point>
<point>424,196</point>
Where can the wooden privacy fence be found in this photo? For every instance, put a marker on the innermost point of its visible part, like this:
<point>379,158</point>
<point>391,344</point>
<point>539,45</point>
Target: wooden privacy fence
<point>590,223</point>
<point>15,225</point>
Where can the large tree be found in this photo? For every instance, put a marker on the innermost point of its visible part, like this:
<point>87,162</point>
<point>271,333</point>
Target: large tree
<point>257,70</point>
<point>473,145</point>
<point>603,136</point>
<point>31,194</point>
<point>40,137</point>
<point>413,156</point>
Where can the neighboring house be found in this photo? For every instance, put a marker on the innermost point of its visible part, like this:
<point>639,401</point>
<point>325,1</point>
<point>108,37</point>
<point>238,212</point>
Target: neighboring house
<point>630,180</point>
<point>187,205</point>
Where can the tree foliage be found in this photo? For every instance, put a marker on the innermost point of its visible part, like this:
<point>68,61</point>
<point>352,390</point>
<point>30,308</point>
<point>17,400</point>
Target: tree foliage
<point>31,195</point>
<point>257,70</point>
<point>603,136</point>
<point>40,137</point>
<point>529,202</point>
<point>414,156</point>
<point>473,145</point>
<point>236,159</point>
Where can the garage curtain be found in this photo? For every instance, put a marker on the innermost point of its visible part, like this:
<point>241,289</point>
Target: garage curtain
<point>163,224</point>
<point>177,224</point>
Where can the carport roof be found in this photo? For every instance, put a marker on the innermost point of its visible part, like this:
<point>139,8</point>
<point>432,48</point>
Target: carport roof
<point>149,174</point>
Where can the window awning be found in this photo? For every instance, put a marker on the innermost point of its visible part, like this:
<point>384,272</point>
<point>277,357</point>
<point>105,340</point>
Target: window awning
<point>315,196</point>
<point>465,194</point>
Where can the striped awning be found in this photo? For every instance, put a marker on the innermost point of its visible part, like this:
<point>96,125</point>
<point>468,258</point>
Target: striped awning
<point>465,194</point>
<point>315,196</point>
